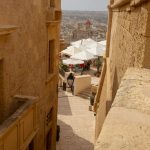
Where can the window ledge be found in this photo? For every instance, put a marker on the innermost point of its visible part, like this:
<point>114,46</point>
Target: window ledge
<point>53,23</point>
<point>7,29</point>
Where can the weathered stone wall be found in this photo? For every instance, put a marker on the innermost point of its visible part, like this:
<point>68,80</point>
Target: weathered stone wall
<point>128,40</point>
<point>25,57</point>
<point>129,47</point>
<point>127,125</point>
<point>101,111</point>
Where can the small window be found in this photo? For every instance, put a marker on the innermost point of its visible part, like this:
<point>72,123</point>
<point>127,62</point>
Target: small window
<point>51,56</point>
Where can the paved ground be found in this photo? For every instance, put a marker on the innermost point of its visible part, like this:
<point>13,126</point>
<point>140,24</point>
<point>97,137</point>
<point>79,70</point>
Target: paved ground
<point>76,123</point>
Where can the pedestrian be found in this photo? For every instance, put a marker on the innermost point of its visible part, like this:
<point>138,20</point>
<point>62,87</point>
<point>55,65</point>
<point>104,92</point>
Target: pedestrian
<point>70,80</point>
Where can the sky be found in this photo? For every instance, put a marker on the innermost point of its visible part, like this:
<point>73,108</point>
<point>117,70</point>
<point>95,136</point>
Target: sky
<point>90,5</point>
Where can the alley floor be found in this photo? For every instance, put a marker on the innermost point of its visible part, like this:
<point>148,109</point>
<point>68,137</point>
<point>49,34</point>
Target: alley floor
<point>76,123</point>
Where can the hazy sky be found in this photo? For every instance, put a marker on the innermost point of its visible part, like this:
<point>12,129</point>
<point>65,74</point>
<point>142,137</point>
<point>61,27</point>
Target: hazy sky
<point>84,5</point>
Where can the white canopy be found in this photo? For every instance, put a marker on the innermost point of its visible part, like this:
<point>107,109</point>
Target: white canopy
<point>102,42</point>
<point>84,55</point>
<point>72,62</point>
<point>85,49</point>
<point>88,43</point>
<point>97,51</point>
<point>72,50</point>
<point>77,43</point>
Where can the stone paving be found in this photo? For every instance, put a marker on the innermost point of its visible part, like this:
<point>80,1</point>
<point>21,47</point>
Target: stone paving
<point>77,123</point>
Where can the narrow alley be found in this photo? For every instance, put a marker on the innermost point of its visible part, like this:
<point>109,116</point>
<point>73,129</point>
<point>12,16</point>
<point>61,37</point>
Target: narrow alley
<point>76,123</point>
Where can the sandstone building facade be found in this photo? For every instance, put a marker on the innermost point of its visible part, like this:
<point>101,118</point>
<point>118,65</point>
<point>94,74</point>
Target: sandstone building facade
<point>126,67</point>
<point>29,46</point>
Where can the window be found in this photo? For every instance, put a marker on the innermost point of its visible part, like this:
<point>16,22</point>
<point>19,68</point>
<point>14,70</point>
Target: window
<point>51,56</point>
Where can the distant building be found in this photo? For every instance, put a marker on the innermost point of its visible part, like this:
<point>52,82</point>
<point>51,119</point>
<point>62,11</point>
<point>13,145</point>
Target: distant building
<point>88,25</point>
<point>76,28</point>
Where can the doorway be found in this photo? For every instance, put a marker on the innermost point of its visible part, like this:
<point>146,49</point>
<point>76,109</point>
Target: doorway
<point>49,140</point>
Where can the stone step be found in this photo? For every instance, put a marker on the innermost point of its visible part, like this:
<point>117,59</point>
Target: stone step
<point>86,93</point>
<point>89,88</point>
<point>83,96</point>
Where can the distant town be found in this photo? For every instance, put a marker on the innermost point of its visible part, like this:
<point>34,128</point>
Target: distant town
<point>77,25</point>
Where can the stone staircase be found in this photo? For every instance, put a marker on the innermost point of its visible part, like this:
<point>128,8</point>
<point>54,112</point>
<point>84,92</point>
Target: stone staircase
<point>86,93</point>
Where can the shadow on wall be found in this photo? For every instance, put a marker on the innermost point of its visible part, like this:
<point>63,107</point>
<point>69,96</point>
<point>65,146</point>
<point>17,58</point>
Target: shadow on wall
<point>64,106</point>
<point>115,88</point>
<point>69,140</point>
<point>115,85</point>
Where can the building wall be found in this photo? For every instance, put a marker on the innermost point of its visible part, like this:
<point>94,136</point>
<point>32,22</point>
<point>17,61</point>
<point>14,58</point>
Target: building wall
<point>127,124</point>
<point>24,54</point>
<point>101,111</point>
<point>128,47</point>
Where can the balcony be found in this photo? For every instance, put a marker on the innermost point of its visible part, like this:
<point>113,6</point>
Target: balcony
<point>18,130</point>
<point>7,29</point>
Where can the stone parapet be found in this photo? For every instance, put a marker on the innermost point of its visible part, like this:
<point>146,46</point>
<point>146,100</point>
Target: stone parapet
<point>127,125</point>
<point>17,131</point>
<point>132,3</point>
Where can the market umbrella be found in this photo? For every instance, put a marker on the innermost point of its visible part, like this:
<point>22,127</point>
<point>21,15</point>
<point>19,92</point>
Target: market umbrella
<point>98,51</point>
<point>102,43</point>
<point>72,62</point>
<point>84,55</point>
<point>88,43</point>
<point>72,50</point>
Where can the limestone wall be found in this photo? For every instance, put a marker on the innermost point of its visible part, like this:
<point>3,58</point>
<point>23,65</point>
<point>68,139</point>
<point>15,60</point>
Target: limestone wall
<point>127,125</point>
<point>127,46</point>
<point>24,56</point>
<point>101,111</point>
<point>128,40</point>
<point>81,83</point>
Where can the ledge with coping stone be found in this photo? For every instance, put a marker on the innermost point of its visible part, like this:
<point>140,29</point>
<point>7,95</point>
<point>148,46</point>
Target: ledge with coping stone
<point>53,23</point>
<point>26,102</point>
<point>7,29</point>
<point>127,125</point>
<point>132,3</point>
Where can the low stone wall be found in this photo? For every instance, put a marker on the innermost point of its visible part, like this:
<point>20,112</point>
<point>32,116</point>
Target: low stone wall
<point>81,83</point>
<point>17,132</point>
<point>127,125</point>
